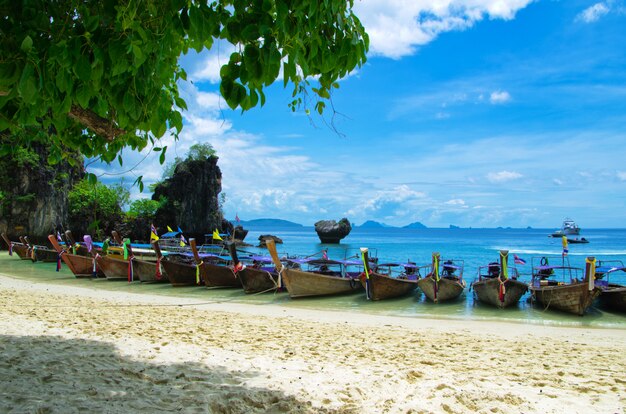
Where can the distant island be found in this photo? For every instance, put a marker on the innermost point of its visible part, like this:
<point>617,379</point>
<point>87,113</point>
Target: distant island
<point>371,224</point>
<point>415,225</point>
<point>452,226</point>
<point>267,222</point>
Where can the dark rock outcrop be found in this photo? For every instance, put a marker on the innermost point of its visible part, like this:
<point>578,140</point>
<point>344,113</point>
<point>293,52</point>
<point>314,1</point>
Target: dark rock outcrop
<point>330,231</point>
<point>240,233</point>
<point>264,237</point>
<point>33,193</point>
<point>192,198</point>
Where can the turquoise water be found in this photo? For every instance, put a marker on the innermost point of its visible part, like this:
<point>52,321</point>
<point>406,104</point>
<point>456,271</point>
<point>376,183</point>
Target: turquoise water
<point>476,247</point>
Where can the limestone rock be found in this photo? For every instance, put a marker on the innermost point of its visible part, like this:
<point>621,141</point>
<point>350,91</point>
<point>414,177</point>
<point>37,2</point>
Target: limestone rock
<point>330,231</point>
<point>192,198</point>
<point>34,193</point>
<point>264,237</point>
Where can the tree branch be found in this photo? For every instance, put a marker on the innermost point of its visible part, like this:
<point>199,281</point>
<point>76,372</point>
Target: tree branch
<point>101,126</point>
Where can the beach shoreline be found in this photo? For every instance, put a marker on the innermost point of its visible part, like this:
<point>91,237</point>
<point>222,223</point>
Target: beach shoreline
<point>129,351</point>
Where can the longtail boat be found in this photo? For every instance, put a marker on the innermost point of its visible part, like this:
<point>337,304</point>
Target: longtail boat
<point>383,282</point>
<point>563,288</point>
<point>613,295</point>
<point>18,248</point>
<point>443,284</point>
<point>183,270</point>
<point>150,271</point>
<point>318,279</point>
<point>81,266</point>
<point>497,284</point>
<point>114,266</point>
<point>253,272</point>
<point>81,249</point>
<point>41,253</point>
<point>219,275</point>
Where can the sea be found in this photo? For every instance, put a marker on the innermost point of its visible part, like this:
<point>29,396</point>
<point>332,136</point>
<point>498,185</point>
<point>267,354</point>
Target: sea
<point>474,247</point>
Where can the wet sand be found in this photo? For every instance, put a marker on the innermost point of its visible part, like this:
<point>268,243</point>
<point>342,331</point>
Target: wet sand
<point>70,349</point>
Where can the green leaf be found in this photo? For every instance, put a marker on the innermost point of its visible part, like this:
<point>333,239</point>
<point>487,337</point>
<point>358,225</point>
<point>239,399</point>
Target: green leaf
<point>27,87</point>
<point>320,107</point>
<point>162,157</point>
<point>139,182</point>
<point>83,94</point>
<point>27,44</point>
<point>82,68</point>
<point>92,179</point>
<point>176,121</point>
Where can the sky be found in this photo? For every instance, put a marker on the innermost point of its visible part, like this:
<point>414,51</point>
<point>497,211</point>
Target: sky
<point>476,113</point>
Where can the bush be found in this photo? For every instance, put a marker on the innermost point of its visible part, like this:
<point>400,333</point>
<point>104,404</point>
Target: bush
<point>94,208</point>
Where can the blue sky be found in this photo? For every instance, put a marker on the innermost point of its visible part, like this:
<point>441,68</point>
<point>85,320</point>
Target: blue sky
<point>477,113</point>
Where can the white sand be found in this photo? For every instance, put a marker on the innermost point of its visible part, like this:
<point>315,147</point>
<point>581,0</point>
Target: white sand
<point>76,350</point>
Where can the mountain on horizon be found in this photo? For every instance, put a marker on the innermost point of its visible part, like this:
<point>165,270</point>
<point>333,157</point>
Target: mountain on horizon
<point>371,224</point>
<point>267,222</point>
<point>415,225</point>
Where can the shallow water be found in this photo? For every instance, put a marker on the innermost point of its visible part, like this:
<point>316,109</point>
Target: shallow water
<point>476,247</point>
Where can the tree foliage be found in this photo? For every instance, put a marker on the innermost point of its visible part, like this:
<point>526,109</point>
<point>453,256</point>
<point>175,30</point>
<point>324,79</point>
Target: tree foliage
<point>97,207</point>
<point>144,208</point>
<point>200,151</point>
<point>102,75</point>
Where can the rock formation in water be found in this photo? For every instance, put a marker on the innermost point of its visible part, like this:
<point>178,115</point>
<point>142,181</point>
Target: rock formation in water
<point>263,238</point>
<point>191,195</point>
<point>33,194</point>
<point>330,231</point>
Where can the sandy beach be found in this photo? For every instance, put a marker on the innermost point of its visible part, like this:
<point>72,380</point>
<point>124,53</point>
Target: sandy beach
<point>72,349</point>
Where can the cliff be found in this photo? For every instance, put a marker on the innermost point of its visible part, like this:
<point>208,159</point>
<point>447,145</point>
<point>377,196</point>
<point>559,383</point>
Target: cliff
<point>33,194</point>
<point>192,198</point>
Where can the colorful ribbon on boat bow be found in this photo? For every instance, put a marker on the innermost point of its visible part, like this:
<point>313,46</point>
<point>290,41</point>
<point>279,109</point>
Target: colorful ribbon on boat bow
<point>130,268</point>
<point>125,244</point>
<point>11,249</point>
<point>364,251</point>
<point>94,267</point>
<point>61,253</point>
<point>435,274</point>
<point>504,274</point>
<point>591,271</point>
<point>157,273</point>
<point>198,272</point>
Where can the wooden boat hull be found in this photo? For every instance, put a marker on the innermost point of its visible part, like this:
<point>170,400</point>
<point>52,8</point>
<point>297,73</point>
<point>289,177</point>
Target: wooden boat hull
<point>446,289</point>
<point>385,287</point>
<point>22,251</point>
<point>45,255</point>
<point>182,274</point>
<point>81,266</point>
<point>573,298</point>
<point>302,284</point>
<point>113,269</point>
<point>146,272</point>
<point>614,297</point>
<point>488,291</point>
<point>216,276</point>
<point>257,280</point>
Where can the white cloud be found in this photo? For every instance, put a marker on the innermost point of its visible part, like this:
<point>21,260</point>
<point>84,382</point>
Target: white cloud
<point>208,68</point>
<point>390,201</point>
<point>503,176</point>
<point>211,101</point>
<point>397,27</point>
<point>621,175</point>
<point>499,97</point>
<point>594,13</point>
<point>556,181</point>
<point>455,202</point>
